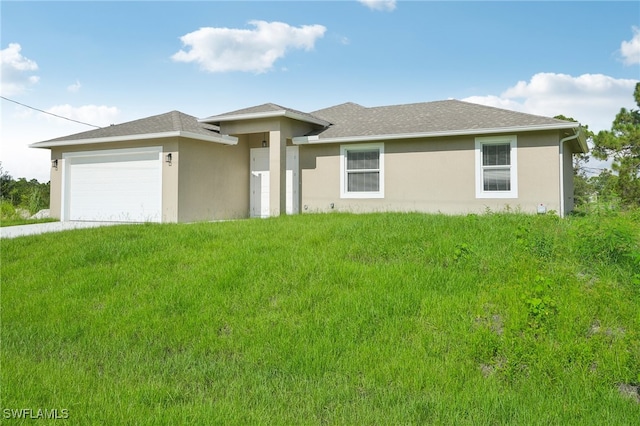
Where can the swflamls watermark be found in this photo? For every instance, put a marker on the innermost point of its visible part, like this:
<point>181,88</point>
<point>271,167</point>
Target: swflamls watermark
<point>35,414</point>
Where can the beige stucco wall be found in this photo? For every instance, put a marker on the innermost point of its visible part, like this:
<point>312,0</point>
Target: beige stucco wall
<point>209,181</point>
<point>170,207</point>
<point>55,185</point>
<point>538,172</point>
<point>434,175</point>
<point>262,126</point>
<point>213,181</point>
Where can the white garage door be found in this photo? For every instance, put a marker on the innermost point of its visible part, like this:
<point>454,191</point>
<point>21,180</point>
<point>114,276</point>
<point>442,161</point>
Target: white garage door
<point>122,185</point>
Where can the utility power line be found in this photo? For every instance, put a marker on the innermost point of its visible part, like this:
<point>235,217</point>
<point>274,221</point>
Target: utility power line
<point>50,113</point>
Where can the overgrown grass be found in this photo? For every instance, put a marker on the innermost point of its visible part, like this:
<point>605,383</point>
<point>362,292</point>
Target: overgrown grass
<point>328,319</point>
<point>12,216</point>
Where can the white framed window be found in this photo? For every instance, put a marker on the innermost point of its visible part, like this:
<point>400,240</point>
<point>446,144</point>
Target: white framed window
<point>496,167</point>
<point>362,170</point>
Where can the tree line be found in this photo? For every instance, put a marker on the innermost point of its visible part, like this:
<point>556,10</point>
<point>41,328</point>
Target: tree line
<point>619,186</point>
<point>28,196</point>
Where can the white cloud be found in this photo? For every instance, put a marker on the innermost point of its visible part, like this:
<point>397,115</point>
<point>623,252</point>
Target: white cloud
<point>495,101</point>
<point>254,50</point>
<point>97,115</point>
<point>75,87</point>
<point>592,99</point>
<point>384,5</point>
<point>15,71</point>
<point>630,50</point>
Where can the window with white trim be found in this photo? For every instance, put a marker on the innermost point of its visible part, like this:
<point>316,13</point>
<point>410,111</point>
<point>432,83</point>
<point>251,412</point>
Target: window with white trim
<point>496,167</point>
<point>362,171</point>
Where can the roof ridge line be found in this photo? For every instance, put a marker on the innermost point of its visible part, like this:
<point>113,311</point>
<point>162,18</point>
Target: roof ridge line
<point>176,118</point>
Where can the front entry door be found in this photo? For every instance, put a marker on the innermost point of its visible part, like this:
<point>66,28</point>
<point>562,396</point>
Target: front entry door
<point>259,183</point>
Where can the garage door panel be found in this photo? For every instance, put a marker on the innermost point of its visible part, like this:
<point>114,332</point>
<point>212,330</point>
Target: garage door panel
<point>120,187</point>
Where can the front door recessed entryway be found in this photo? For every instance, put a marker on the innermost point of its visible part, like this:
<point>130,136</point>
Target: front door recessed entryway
<point>259,183</point>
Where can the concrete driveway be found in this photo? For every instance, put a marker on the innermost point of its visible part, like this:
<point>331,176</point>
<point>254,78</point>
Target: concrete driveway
<point>41,228</point>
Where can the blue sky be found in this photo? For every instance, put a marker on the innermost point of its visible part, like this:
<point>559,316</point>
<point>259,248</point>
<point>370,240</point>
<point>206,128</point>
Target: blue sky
<point>111,62</point>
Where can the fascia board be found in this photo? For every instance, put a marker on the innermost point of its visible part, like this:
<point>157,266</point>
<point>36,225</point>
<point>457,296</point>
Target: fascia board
<point>266,114</point>
<point>223,139</point>
<point>363,138</point>
<point>306,118</point>
<point>582,139</point>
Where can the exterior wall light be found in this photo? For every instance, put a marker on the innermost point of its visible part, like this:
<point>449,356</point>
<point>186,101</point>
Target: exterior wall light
<point>54,164</point>
<point>169,158</point>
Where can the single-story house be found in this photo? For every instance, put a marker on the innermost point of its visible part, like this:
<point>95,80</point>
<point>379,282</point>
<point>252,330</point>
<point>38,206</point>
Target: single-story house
<point>447,156</point>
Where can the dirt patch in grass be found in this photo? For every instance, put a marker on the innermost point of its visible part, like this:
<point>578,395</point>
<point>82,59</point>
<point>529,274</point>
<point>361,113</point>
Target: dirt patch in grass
<point>630,391</point>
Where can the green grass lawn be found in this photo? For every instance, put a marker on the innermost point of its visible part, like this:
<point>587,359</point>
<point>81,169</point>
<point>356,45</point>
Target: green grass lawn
<point>328,319</point>
<point>20,221</point>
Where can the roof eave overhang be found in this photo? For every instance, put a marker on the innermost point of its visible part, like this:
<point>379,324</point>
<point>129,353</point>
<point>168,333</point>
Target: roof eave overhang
<point>582,139</point>
<point>464,132</point>
<point>222,139</point>
<point>267,114</point>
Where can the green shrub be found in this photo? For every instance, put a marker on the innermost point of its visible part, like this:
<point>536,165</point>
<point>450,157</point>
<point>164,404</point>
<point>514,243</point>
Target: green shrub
<point>540,305</point>
<point>35,201</point>
<point>7,211</point>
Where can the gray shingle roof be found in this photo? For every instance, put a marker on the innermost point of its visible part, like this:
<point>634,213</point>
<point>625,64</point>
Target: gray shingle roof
<point>339,121</point>
<point>169,122</point>
<point>264,109</point>
<point>440,116</point>
<point>268,107</point>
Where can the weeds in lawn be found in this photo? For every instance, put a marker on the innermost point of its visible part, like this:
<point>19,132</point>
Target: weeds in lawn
<point>607,239</point>
<point>337,318</point>
<point>462,251</point>
<point>540,305</point>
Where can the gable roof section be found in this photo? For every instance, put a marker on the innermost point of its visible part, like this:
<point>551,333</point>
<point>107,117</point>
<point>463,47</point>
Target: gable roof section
<point>170,124</point>
<point>352,122</point>
<point>344,113</point>
<point>348,122</point>
<point>268,110</point>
